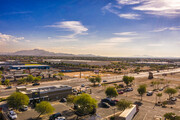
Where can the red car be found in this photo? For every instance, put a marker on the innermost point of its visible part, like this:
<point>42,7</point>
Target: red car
<point>120,92</point>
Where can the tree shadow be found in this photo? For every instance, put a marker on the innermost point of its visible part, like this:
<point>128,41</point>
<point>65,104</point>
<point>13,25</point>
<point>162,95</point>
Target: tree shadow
<point>139,103</point>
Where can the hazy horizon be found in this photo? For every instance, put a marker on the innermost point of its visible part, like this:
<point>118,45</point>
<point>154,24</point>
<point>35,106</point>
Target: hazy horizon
<point>118,28</point>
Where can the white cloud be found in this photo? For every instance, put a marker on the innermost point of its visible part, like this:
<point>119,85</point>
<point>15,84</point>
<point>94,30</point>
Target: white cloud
<point>74,26</point>
<point>114,41</point>
<point>167,8</point>
<point>167,28</point>
<point>129,2</point>
<point>110,7</point>
<point>126,33</point>
<point>130,16</point>
<point>9,38</point>
<point>155,45</point>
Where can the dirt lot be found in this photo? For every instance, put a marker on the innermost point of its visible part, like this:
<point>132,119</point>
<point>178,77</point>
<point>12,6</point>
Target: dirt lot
<point>87,74</point>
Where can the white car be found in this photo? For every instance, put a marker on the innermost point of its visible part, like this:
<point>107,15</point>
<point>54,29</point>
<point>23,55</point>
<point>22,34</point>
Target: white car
<point>24,108</point>
<point>60,118</point>
<point>12,114</point>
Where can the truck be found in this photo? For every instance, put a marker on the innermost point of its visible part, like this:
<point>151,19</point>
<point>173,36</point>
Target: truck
<point>129,113</point>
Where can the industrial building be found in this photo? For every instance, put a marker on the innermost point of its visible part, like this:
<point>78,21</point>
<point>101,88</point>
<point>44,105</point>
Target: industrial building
<point>77,62</point>
<point>46,93</point>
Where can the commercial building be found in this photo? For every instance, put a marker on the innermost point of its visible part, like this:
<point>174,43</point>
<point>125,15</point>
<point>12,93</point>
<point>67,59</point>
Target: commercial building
<point>19,67</point>
<point>77,62</point>
<point>46,93</point>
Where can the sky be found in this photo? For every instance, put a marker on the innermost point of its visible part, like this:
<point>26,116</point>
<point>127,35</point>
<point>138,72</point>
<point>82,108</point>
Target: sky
<point>114,28</point>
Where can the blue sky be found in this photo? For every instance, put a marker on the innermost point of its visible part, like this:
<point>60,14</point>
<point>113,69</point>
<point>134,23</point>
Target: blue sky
<point>116,28</point>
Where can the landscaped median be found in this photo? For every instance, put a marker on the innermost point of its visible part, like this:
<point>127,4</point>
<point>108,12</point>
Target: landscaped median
<point>3,99</point>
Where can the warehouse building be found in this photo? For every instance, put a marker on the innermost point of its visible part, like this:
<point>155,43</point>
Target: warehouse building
<point>77,62</point>
<point>19,67</point>
<point>46,93</point>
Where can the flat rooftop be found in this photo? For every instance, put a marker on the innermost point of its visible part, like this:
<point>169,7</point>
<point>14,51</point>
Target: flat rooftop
<point>30,65</point>
<point>47,88</point>
<point>127,111</point>
<point>61,60</point>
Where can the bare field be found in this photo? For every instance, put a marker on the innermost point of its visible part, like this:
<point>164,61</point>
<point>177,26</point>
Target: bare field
<point>87,74</point>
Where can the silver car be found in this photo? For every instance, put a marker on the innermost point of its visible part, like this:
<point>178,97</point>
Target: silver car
<point>12,114</point>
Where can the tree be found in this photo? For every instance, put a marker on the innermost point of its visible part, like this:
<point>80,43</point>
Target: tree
<point>7,82</point>
<point>178,88</point>
<point>17,99</point>
<point>37,79</point>
<point>111,92</point>
<point>98,79</point>
<point>159,95</point>
<point>60,75</point>
<point>141,90</point>
<point>123,104</point>
<point>170,92</point>
<point>44,107</point>
<point>70,99</point>
<point>170,116</point>
<point>30,78</point>
<point>85,104</point>
<point>0,74</point>
<point>95,79</point>
<point>92,80</point>
<point>127,80</point>
<point>22,81</point>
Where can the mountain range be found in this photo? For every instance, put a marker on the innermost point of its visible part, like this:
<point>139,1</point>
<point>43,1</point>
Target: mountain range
<point>39,52</point>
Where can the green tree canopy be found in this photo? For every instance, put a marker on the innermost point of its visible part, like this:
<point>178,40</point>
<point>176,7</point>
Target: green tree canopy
<point>170,91</point>
<point>170,116</point>
<point>17,99</point>
<point>29,78</point>
<point>95,80</point>
<point>98,79</point>
<point>61,74</point>
<point>22,81</point>
<point>7,82</point>
<point>86,104</point>
<point>44,107</point>
<point>37,79</point>
<point>111,92</point>
<point>71,98</point>
<point>123,104</point>
<point>141,90</point>
<point>127,80</point>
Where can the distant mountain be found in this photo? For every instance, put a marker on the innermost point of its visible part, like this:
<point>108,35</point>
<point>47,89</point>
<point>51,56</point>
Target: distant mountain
<point>39,52</point>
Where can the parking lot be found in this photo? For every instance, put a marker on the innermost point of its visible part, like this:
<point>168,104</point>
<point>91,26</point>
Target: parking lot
<point>147,109</point>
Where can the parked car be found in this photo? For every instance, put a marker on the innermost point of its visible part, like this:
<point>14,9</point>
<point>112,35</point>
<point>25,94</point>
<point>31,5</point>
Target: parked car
<point>24,108</point>
<point>104,80</point>
<point>35,84</point>
<point>60,118</point>
<point>120,92</point>
<point>74,90</point>
<point>12,115</point>
<point>105,105</point>
<point>63,100</point>
<point>149,93</point>
<point>128,89</point>
<point>173,99</point>
<point>54,116</point>
<point>109,101</point>
<point>121,85</point>
<point>161,89</point>
<point>8,87</point>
